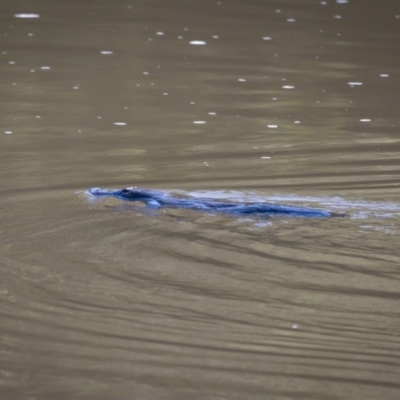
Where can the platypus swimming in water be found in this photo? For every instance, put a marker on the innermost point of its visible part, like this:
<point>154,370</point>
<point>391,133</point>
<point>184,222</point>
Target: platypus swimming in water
<point>159,199</point>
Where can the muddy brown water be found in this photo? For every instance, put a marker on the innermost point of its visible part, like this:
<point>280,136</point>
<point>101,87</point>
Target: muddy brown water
<point>295,102</point>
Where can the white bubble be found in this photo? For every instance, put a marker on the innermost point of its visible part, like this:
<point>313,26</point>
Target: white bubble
<point>160,33</point>
<point>365,120</point>
<point>265,158</point>
<point>215,36</point>
<point>199,122</point>
<point>27,15</point>
<point>198,42</point>
<point>287,87</point>
<point>106,52</point>
<point>8,132</point>
<point>272,126</point>
<point>290,20</point>
<point>212,113</point>
<point>384,75</point>
<point>120,123</point>
<point>354,83</point>
<point>342,1</point>
<point>267,38</point>
<point>45,67</point>
<point>241,80</point>
<point>337,16</point>
<point>297,122</point>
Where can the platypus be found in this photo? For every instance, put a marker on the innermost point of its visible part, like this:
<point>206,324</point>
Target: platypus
<point>159,199</point>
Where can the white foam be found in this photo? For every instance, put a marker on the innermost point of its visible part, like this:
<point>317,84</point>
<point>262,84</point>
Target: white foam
<point>27,15</point>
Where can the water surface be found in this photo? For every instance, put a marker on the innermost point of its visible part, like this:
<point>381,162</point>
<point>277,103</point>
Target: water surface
<point>278,101</point>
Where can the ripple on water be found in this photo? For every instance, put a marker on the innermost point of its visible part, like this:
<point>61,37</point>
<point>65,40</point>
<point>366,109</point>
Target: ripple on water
<point>189,290</point>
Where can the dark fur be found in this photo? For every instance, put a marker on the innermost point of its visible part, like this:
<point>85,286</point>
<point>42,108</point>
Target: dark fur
<point>158,199</point>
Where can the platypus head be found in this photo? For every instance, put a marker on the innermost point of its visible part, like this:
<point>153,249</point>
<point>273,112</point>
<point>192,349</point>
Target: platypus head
<point>130,194</point>
<point>133,194</point>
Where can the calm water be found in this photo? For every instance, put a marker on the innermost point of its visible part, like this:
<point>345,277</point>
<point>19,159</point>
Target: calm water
<point>294,102</point>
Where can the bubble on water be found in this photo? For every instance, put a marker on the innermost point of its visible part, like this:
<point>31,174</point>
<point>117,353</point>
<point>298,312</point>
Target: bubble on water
<point>241,80</point>
<point>342,1</point>
<point>45,67</point>
<point>290,20</point>
<point>212,113</point>
<point>297,122</point>
<point>160,33</point>
<point>337,16</point>
<point>120,123</point>
<point>384,75</point>
<point>266,158</point>
<point>27,15</point>
<point>365,120</point>
<point>215,36</point>
<point>199,122</point>
<point>354,83</point>
<point>267,38</point>
<point>198,42</point>
<point>272,126</point>
<point>106,52</point>
<point>287,87</point>
<point>8,132</point>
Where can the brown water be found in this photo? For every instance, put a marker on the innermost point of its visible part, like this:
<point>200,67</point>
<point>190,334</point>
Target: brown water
<point>300,105</point>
